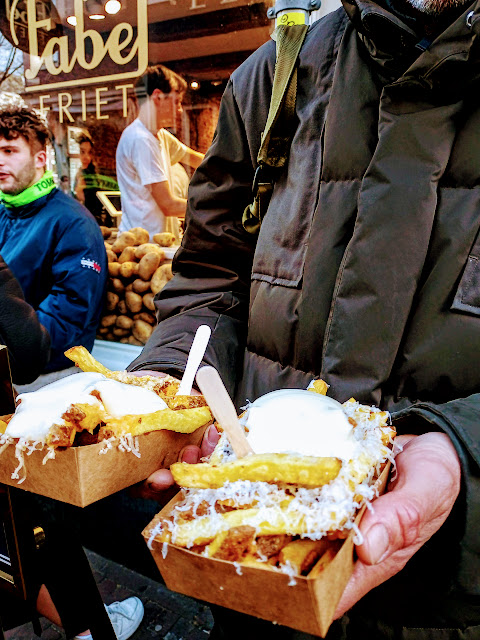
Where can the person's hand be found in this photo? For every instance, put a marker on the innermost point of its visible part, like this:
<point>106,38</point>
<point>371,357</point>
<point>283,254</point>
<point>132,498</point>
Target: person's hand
<point>160,485</point>
<point>416,505</point>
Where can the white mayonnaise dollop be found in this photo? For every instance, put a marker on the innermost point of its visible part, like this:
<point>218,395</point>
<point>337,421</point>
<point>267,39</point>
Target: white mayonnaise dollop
<point>41,409</point>
<point>121,399</point>
<point>300,422</point>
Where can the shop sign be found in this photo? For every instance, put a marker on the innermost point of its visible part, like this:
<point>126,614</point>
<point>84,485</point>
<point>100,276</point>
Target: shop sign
<point>75,59</point>
<point>13,20</point>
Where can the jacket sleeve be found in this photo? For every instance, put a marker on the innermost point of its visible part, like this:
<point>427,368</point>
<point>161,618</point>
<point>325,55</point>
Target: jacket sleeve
<point>72,309</point>
<point>460,420</point>
<point>212,268</point>
<point>27,340</point>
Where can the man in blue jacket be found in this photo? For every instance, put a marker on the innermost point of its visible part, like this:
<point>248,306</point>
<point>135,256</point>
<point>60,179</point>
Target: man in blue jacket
<point>51,243</point>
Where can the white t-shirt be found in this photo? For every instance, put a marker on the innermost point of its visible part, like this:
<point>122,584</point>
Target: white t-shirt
<point>143,159</point>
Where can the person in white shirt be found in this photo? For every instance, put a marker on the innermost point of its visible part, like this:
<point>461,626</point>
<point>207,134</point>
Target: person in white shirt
<point>146,154</point>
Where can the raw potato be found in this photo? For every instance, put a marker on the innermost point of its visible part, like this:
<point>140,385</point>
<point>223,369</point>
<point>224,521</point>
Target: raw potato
<point>114,268</point>
<point>125,239</point>
<point>121,333</point>
<point>134,301</point>
<point>132,340</point>
<point>129,287</point>
<point>112,300</point>
<point>128,269</point>
<point>141,235</point>
<point>122,308</point>
<point>127,255</point>
<point>148,264</point>
<point>148,301</point>
<point>106,231</point>
<point>147,248</point>
<point>146,317</point>
<point>102,330</point>
<point>118,285</point>
<point>124,322</point>
<point>161,276</point>
<point>108,321</point>
<point>165,239</point>
<point>142,331</point>
<point>111,255</point>
<point>140,286</point>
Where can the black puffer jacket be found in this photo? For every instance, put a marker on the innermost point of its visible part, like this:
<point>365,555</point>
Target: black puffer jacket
<point>28,341</point>
<point>366,271</point>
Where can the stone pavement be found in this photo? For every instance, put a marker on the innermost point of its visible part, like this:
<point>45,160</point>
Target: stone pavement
<point>168,615</point>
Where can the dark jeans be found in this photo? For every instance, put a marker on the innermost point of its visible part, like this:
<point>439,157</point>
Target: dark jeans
<point>61,565</point>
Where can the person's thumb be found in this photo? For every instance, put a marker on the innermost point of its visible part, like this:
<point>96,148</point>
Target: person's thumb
<point>428,483</point>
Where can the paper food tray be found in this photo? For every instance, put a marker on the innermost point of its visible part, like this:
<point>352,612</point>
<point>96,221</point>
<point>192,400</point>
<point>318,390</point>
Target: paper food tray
<point>308,605</point>
<point>82,475</point>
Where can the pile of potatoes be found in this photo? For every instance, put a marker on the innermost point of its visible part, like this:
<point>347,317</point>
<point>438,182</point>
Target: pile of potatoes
<point>137,271</point>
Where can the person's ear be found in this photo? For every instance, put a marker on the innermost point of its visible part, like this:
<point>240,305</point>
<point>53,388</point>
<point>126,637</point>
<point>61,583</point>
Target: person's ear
<point>40,159</point>
<point>156,95</point>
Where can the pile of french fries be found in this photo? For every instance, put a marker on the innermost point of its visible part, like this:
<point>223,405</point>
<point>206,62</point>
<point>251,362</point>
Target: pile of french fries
<point>84,423</point>
<point>279,511</point>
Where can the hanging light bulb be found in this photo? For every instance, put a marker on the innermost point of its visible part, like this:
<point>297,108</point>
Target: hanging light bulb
<point>194,84</point>
<point>113,6</point>
<point>95,11</point>
<point>72,20</point>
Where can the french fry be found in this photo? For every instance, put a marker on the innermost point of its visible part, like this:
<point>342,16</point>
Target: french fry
<point>302,554</point>
<point>270,467</point>
<point>3,426</point>
<point>164,387</point>
<point>181,421</point>
<point>232,544</point>
<point>267,522</point>
<point>185,402</point>
<point>251,560</point>
<point>61,435</point>
<point>270,546</point>
<point>86,362</point>
<point>84,416</point>
<point>319,386</point>
<point>326,558</point>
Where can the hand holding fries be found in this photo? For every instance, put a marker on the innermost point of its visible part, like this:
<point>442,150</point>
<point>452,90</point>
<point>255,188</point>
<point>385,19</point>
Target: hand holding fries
<point>418,502</point>
<point>160,485</point>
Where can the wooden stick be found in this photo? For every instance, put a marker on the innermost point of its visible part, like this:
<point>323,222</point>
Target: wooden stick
<point>219,401</point>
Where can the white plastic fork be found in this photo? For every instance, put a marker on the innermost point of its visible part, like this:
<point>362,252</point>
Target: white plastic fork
<point>197,351</point>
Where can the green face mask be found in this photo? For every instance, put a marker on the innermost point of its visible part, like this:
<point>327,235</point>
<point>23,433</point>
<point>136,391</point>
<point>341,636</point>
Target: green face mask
<point>37,190</point>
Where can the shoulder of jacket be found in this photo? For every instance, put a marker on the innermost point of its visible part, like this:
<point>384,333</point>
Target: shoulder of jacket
<point>70,207</point>
<point>320,38</point>
<point>70,214</point>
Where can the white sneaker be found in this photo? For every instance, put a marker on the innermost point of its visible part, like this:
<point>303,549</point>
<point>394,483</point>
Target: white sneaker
<point>125,616</point>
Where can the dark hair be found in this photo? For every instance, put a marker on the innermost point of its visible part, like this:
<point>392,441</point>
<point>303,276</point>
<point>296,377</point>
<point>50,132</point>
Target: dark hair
<point>159,77</point>
<point>16,121</point>
<point>84,137</point>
